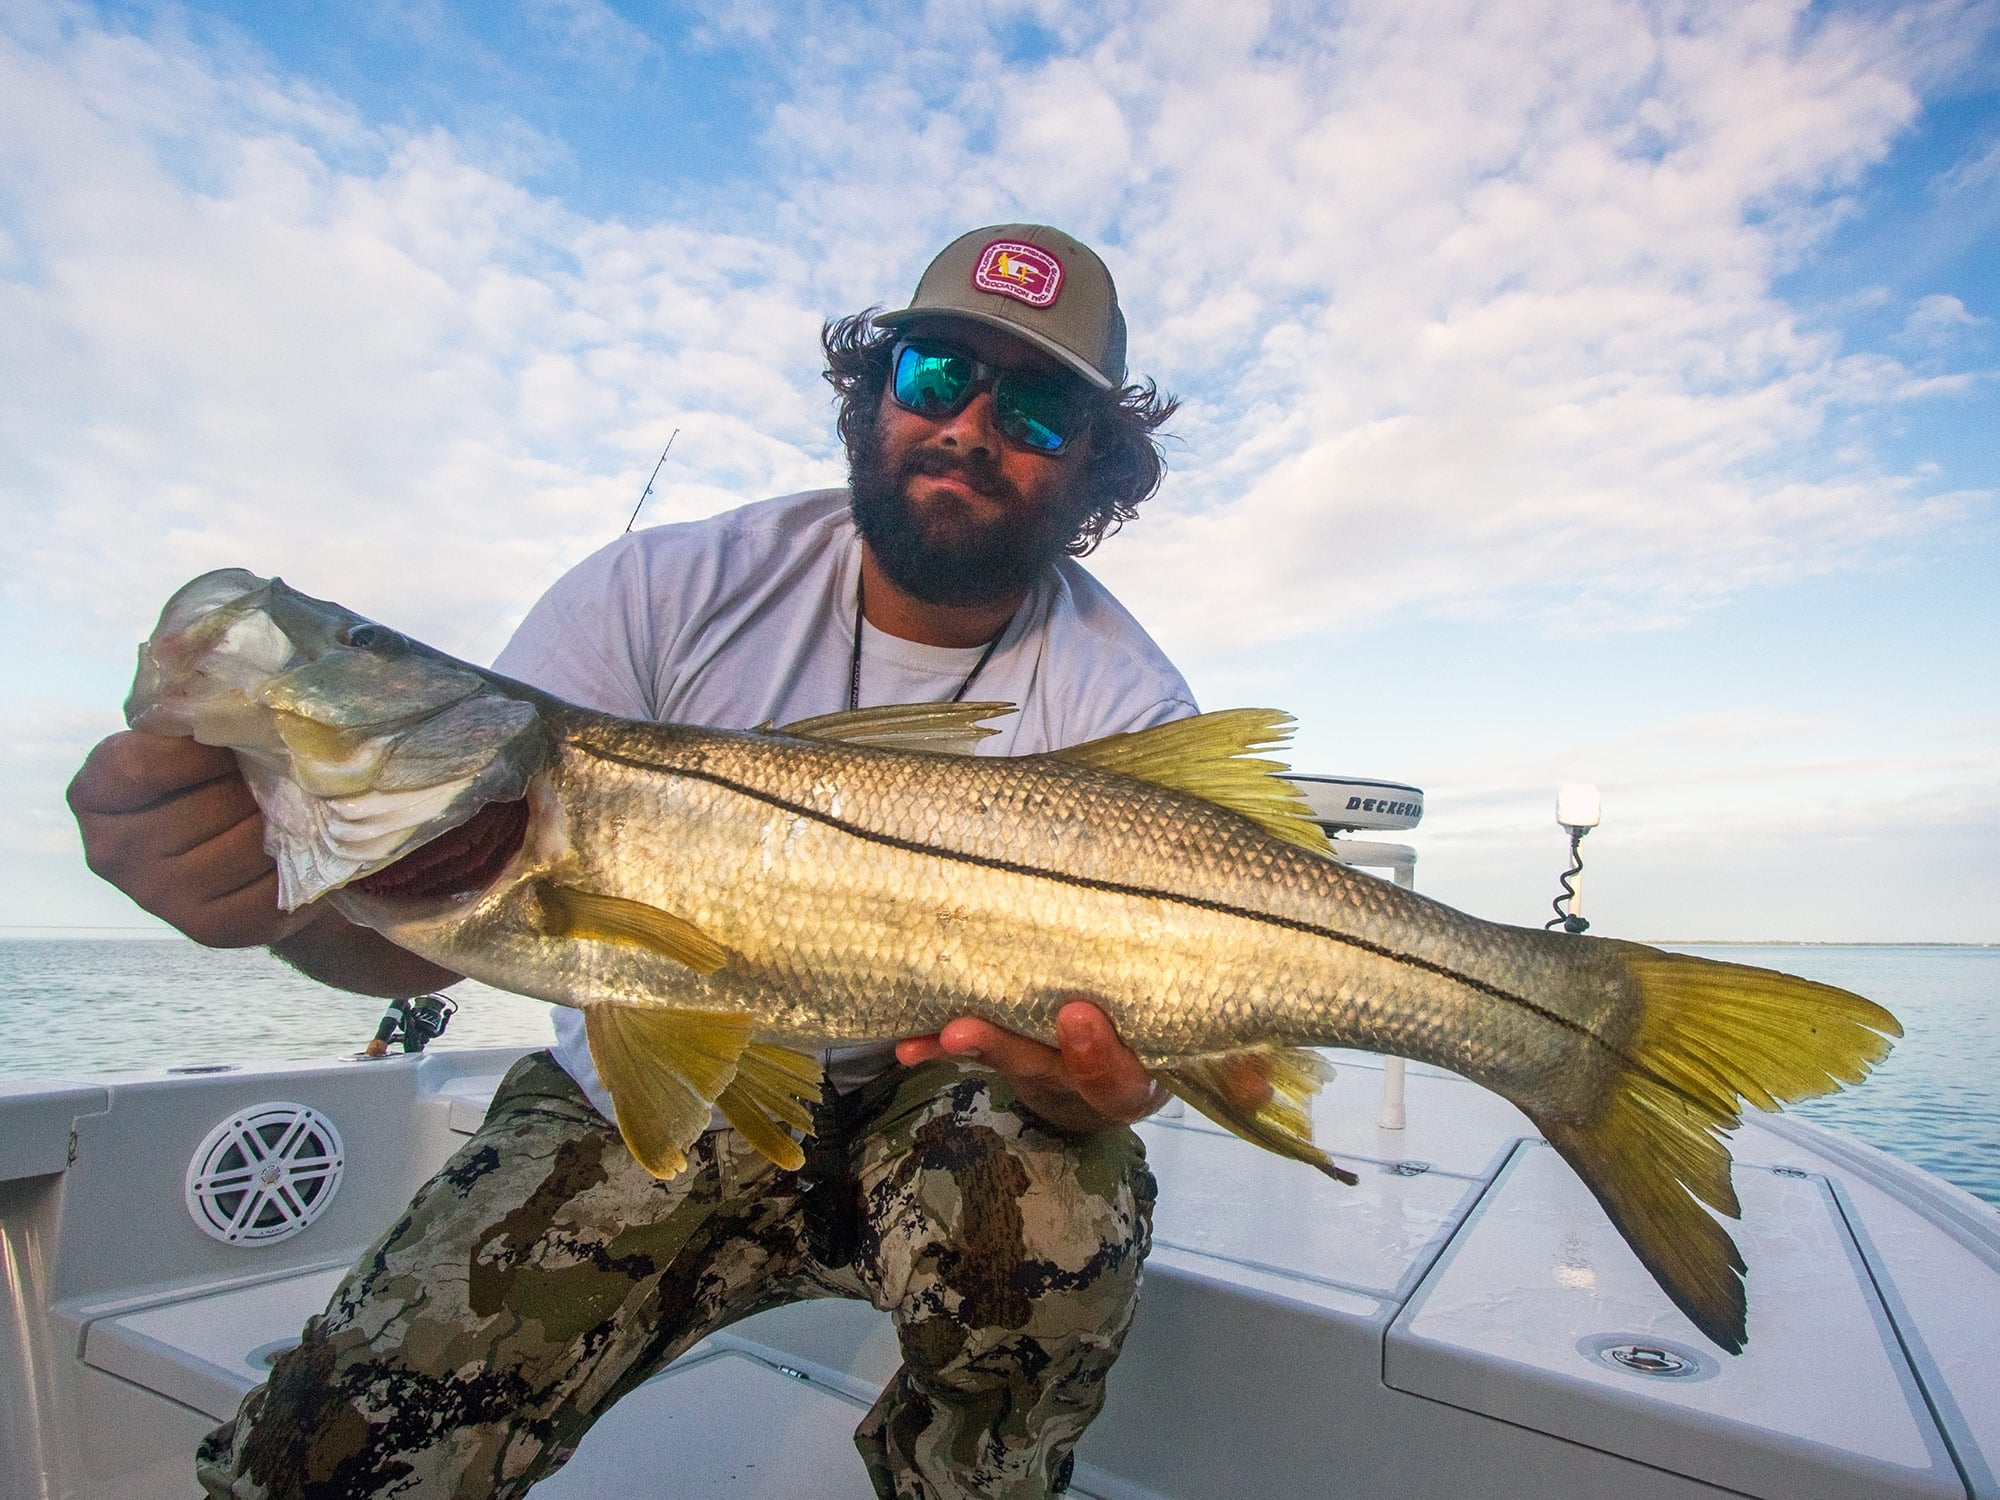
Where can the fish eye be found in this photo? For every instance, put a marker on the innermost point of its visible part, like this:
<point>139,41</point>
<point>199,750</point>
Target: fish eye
<point>367,636</point>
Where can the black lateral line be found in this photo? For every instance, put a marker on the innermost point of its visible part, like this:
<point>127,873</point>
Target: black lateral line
<point>1116,888</point>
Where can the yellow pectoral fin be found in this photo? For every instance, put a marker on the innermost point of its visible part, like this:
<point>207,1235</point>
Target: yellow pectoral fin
<point>1263,1094</point>
<point>774,1088</point>
<point>664,1069</point>
<point>568,912</point>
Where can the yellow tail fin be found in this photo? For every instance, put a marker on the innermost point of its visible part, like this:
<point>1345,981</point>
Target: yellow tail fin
<point>1710,1035</point>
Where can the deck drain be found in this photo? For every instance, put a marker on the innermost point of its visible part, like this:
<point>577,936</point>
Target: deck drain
<point>1649,1358</point>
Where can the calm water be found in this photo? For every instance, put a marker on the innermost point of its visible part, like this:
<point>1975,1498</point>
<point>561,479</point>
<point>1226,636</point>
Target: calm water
<point>113,1006</point>
<point>1936,1101</point>
<point>96,1006</point>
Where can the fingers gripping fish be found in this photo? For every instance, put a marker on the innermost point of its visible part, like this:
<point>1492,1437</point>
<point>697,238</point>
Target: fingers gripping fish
<point>716,901</point>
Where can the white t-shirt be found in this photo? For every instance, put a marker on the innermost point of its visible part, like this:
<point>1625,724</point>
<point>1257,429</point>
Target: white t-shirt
<point>749,616</point>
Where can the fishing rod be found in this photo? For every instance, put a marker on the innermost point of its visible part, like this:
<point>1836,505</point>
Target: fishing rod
<point>650,478</point>
<point>466,639</point>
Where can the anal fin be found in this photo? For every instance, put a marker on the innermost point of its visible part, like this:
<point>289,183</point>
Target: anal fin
<point>1263,1094</point>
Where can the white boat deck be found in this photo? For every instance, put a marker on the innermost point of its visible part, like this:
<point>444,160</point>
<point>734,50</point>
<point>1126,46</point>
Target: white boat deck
<point>1438,1330</point>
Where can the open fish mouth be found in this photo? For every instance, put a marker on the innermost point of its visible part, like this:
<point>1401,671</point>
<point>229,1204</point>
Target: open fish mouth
<point>459,862</point>
<point>375,759</point>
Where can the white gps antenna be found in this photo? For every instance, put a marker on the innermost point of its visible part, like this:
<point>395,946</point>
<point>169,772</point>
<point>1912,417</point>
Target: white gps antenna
<point>1578,809</point>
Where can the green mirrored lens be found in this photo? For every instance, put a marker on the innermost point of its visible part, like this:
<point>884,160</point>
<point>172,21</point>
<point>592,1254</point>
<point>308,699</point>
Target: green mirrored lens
<point>1037,411</point>
<point>931,381</point>
<point>1034,415</point>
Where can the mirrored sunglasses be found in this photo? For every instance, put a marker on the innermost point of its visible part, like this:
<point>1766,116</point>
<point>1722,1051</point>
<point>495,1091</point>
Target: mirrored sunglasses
<point>1039,410</point>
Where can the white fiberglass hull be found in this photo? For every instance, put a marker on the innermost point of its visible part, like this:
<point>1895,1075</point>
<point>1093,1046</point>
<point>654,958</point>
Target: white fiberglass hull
<point>1452,1326</point>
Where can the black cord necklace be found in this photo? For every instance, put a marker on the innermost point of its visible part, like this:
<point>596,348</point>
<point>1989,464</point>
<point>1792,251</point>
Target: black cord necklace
<point>854,665</point>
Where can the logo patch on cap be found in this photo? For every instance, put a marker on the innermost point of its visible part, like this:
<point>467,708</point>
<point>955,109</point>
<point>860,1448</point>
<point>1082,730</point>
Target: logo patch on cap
<point>1027,273</point>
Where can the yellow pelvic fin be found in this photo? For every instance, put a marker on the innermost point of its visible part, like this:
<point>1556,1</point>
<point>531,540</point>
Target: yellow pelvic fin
<point>943,728</point>
<point>1211,756</point>
<point>1263,1094</point>
<point>1652,1152</point>
<point>774,1087</point>
<point>568,912</point>
<point>663,1068</point>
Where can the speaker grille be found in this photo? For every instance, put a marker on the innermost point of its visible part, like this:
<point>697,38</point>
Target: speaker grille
<point>264,1174</point>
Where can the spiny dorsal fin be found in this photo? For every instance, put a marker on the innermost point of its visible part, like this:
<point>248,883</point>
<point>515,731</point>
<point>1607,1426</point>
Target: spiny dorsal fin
<point>663,1068</point>
<point>1263,1094</point>
<point>568,912</point>
<point>1211,756</point>
<point>943,728</point>
<point>773,1088</point>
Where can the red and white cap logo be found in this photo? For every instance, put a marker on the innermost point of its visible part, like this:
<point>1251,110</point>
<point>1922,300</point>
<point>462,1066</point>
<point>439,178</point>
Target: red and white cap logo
<point>1027,273</point>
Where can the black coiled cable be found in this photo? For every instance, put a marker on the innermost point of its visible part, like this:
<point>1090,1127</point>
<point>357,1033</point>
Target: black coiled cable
<point>1564,918</point>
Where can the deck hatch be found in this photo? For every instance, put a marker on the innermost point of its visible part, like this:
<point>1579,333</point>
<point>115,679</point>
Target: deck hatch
<point>1536,1284</point>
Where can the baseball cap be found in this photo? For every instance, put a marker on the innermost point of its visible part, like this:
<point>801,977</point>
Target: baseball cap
<point>1034,282</point>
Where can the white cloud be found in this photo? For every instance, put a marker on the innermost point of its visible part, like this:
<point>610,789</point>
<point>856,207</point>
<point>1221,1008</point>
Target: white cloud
<point>1477,300</point>
<point>593,31</point>
<point>411,382</point>
<point>1976,173</point>
<point>1936,320</point>
<point>1474,307</point>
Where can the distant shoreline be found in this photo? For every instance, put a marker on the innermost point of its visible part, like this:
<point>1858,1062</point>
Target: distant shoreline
<point>1792,943</point>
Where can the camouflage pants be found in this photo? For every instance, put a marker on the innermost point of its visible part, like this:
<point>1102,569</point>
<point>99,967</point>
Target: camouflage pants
<point>543,1273</point>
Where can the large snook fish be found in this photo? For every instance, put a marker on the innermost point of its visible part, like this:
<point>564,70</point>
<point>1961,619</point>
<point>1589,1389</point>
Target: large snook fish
<point>713,900</point>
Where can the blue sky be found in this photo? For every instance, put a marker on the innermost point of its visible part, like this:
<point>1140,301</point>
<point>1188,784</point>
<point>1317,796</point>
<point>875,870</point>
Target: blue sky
<point>1589,390</point>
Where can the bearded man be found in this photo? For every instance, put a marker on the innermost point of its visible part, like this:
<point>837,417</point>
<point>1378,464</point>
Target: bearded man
<point>982,1188</point>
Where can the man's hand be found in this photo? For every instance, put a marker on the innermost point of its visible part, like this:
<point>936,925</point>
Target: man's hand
<point>170,822</point>
<point>1090,1082</point>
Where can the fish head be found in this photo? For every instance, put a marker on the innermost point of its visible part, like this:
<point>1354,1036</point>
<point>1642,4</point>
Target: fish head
<point>360,744</point>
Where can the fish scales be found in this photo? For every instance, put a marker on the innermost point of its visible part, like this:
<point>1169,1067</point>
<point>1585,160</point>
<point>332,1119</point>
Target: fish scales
<point>706,897</point>
<point>899,903</point>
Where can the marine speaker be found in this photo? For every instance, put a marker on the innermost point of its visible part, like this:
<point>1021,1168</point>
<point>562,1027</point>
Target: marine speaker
<point>264,1174</point>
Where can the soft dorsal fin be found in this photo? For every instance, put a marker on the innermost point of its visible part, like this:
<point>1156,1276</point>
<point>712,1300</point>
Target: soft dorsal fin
<point>1212,756</point>
<point>943,728</point>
